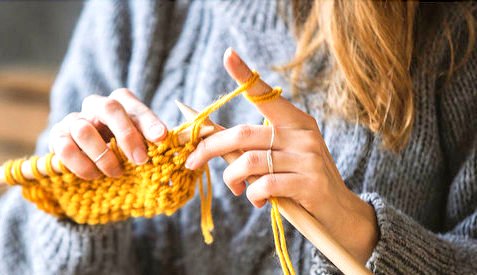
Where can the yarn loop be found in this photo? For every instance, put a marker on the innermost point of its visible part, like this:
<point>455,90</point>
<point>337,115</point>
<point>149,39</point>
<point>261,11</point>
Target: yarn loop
<point>160,186</point>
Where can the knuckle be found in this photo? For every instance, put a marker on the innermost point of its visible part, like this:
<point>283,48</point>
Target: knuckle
<point>252,159</point>
<point>310,120</point>
<point>243,132</point>
<point>315,136</point>
<point>316,163</point>
<point>309,141</point>
<point>112,106</point>
<point>81,130</point>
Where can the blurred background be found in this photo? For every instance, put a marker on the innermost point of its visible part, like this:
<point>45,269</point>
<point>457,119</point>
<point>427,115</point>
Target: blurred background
<point>34,38</point>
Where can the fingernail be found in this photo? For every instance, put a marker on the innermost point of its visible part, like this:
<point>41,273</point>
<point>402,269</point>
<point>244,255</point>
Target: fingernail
<point>228,52</point>
<point>190,161</point>
<point>140,156</point>
<point>157,131</point>
<point>233,58</point>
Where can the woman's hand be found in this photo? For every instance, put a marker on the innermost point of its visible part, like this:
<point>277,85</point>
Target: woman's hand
<point>79,140</point>
<point>304,170</point>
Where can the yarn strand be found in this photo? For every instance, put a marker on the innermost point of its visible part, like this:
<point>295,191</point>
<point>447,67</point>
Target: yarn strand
<point>160,186</point>
<point>207,224</point>
<point>275,217</point>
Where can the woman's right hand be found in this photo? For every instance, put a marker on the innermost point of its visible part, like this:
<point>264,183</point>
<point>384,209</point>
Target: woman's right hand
<point>79,140</point>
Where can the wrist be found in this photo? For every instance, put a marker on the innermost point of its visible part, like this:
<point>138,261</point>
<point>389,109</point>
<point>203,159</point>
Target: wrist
<point>359,233</point>
<point>370,232</point>
<point>367,231</point>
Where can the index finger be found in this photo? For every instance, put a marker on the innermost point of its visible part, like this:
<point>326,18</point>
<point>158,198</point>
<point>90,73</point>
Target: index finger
<point>280,112</point>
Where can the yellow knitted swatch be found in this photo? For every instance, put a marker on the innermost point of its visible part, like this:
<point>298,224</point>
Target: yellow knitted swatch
<point>160,186</point>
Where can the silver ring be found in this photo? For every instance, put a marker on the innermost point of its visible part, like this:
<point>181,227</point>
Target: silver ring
<point>270,161</point>
<point>101,155</point>
<point>272,139</point>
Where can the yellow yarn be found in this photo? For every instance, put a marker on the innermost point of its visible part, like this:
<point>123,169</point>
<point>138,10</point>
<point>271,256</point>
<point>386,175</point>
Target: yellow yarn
<point>161,186</point>
<point>276,218</point>
<point>276,92</point>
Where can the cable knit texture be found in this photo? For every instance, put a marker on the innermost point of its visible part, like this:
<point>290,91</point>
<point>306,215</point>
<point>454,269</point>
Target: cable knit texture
<point>425,197</point>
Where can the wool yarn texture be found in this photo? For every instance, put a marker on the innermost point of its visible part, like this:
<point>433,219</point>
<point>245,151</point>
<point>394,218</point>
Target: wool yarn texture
<point>160,186</point>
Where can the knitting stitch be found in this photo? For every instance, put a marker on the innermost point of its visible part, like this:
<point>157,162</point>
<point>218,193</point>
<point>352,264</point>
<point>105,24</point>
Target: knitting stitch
<point>424,197</point>
<point>160,186</point>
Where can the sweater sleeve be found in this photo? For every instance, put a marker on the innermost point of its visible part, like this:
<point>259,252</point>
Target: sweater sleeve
<point>97,62</point>
<point>405,246</point>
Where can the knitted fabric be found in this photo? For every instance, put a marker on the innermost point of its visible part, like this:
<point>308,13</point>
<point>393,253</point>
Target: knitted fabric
<point>425,197</point>
<point>160,186</point>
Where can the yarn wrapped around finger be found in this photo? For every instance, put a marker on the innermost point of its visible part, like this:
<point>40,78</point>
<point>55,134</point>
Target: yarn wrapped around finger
<point>160,186</point>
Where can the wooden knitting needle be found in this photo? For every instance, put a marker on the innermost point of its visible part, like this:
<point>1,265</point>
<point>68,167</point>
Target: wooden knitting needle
<point>301,219</point>
<point>183,137</point>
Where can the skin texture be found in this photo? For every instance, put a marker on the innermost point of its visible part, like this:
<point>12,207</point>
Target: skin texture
<point>303,167</point>
<point>80,137</point>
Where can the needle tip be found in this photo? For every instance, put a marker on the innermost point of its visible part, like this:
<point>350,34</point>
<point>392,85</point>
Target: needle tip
<point>187,111</point>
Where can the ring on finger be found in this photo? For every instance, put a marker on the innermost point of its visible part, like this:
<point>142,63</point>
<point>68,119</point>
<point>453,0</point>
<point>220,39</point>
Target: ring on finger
<point>269,151</point>
<point>272,139</point>
<point>98,158</point>
<point>270,161</point>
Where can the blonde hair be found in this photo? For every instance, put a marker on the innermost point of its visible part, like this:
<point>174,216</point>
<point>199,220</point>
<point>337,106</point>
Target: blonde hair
<point>370,46</point>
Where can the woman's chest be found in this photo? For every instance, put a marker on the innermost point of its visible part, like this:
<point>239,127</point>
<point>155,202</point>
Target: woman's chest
<point>412,181</point>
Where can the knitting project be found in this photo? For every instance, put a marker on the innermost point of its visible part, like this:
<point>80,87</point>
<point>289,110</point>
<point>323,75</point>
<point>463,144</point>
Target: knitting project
<point>160,186</point>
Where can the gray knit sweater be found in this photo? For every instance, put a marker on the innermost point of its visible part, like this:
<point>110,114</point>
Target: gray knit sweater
<point>425,197</point>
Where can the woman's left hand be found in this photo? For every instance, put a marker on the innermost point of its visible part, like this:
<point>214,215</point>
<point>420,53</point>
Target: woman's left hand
<point>304,170</point>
